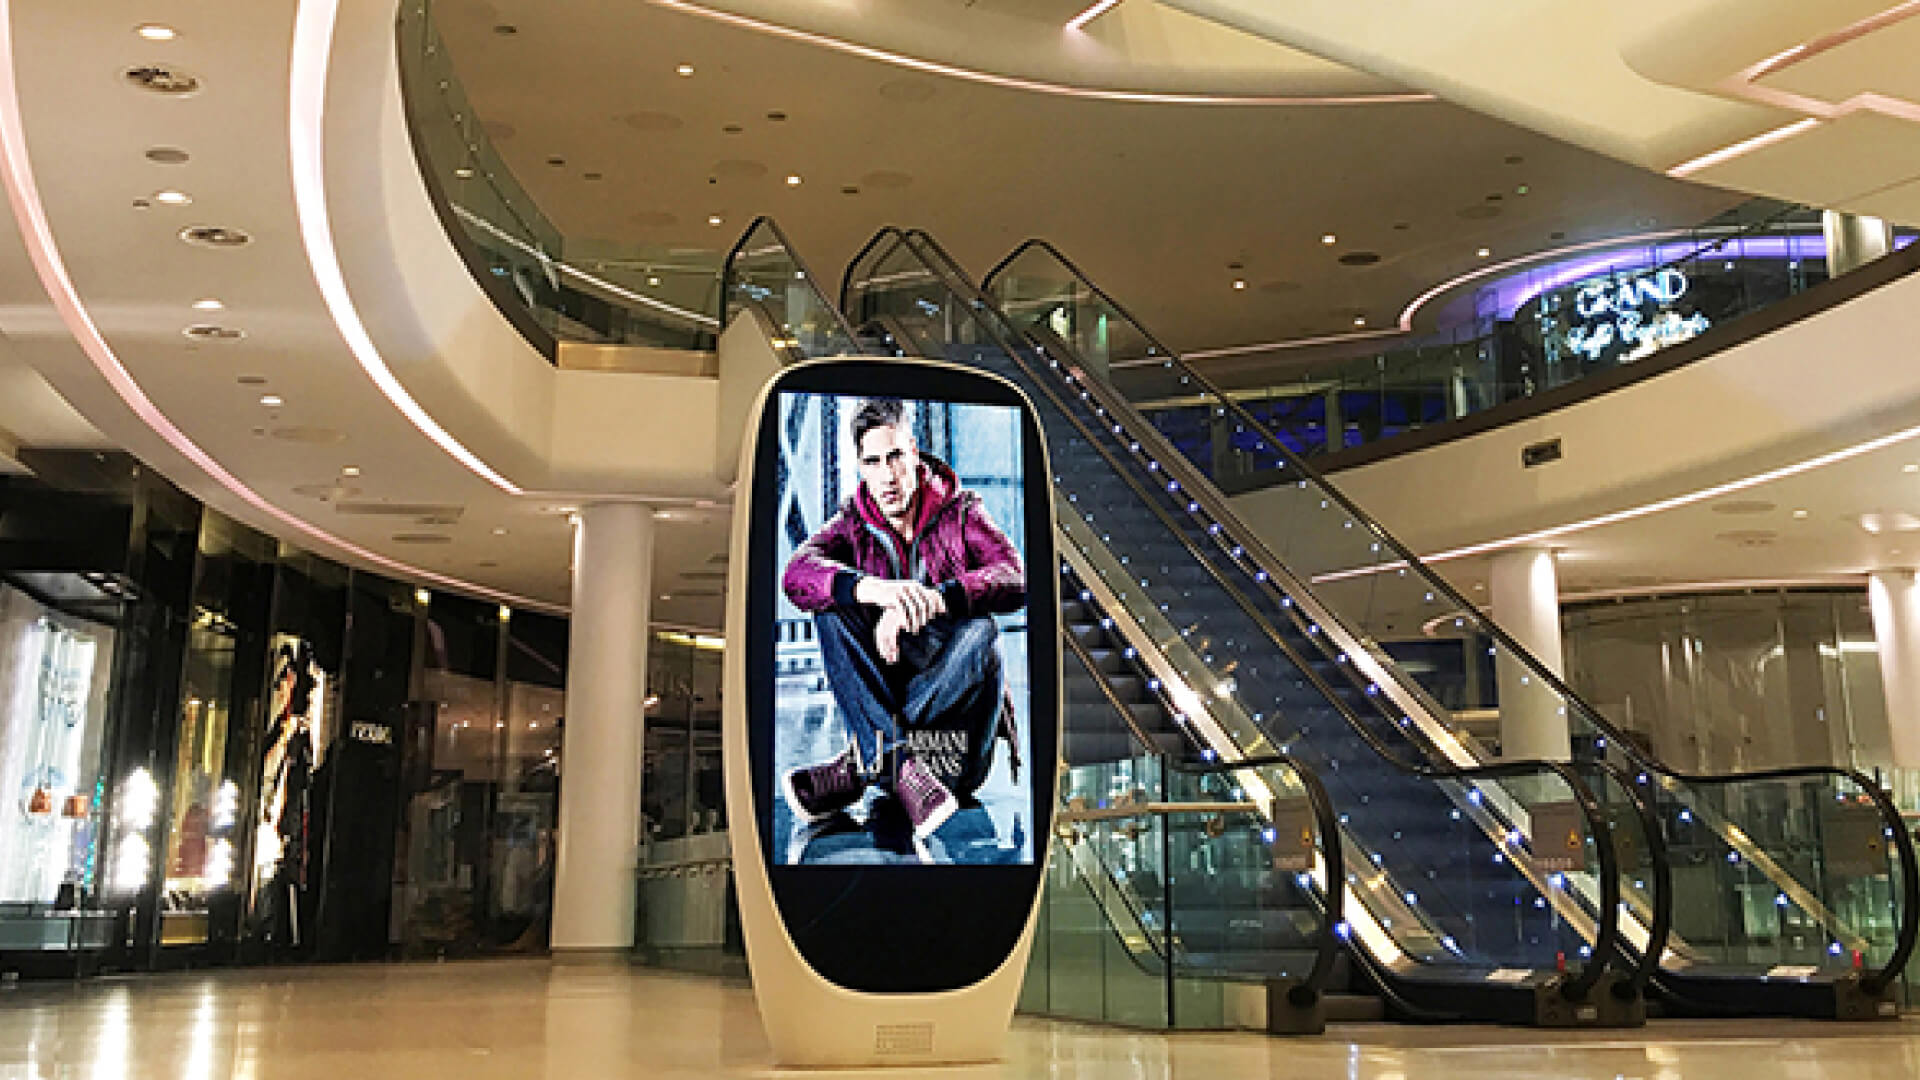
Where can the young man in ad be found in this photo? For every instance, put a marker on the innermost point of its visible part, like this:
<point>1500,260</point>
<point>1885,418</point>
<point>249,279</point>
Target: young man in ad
<point>902,584</point>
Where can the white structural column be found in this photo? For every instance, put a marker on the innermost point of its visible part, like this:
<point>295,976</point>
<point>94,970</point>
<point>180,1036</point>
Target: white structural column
<point>1894,598</point>
<point>1854,240</point>
<point>1525,589</point>
<point>602,743</point>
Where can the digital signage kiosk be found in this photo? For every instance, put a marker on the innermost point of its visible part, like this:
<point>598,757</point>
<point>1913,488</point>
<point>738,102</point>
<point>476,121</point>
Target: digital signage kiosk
<point>892,708</point>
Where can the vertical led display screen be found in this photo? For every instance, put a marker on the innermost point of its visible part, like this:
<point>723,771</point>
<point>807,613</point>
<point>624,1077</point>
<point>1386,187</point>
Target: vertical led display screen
<point>902,693</point>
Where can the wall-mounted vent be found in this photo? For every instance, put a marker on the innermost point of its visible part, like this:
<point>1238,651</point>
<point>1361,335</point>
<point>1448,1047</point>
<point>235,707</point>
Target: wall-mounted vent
<point>1540,453</point>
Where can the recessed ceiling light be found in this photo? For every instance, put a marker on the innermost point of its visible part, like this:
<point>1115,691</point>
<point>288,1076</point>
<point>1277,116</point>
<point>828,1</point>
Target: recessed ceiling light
<point>155,32</point>
<point>684,70</point>
<point>1359,320</point>
<point>272,401</point>
<point>1801,514</point>
<point>1329,239</point>
<point>666,596</point>
<point>1484,252</point>
<point>423,598</point>
<point>1522,190</point>
<point>1239,283</point>
<point>654,281</point>
<point>350,470</point>
<point>172,198</point>
<point>208,303</point>
<point>500,530</point>
<point>793,181</point>
<point>1910,467</point>
<point>464,172</point>
<point>713,219</point>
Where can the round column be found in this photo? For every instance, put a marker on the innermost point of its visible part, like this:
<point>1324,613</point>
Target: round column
<point>1894,598</point>
<point>1525,588</point>
<point>603,741</point>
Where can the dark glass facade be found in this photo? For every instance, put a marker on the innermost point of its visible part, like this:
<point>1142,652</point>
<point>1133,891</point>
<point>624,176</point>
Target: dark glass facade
<point>218,749</point>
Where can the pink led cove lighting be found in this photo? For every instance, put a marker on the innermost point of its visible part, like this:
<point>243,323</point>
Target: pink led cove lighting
<point>1744,147</point>
<point>1099,8</point>
<point>934,67</point>
<point>306,124</point>
<point>36,233</point>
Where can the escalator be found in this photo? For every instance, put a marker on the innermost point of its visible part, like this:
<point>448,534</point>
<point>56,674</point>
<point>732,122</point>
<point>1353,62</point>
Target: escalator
<point>1168,865</point>
<point>1794,890</point>
<point>1481,891</point>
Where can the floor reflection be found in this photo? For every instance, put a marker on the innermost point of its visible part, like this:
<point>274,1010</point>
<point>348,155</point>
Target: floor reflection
<point>523,1019</point>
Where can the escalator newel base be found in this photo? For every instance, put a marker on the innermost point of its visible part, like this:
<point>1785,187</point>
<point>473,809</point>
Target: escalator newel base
<point>1293,1008</point>
<point>1853,1001</point>
<point>1601,1008</point>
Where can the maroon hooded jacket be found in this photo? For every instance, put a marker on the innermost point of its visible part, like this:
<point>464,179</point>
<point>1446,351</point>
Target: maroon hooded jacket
<point>956,549</point>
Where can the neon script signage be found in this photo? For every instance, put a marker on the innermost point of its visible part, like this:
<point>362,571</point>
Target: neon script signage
<point>1624,317</point>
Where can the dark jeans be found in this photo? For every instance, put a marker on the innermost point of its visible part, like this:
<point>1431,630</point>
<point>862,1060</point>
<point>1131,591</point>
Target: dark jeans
<point>949,678</point>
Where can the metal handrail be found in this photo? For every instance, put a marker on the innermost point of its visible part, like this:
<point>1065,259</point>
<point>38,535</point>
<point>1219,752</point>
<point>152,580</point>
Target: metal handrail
<point>813,283</point>
<point>1604,944</point>
<point>1909,929</point>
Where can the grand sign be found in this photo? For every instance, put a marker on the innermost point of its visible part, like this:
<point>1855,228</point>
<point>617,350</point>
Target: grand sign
<point>1622,317</point>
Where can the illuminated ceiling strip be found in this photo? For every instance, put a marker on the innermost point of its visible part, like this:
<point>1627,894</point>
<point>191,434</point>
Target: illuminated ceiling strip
<point>36,234</point>
<point>1744,147</point>
<point>1405,324</point>
<point>934,67</point>
<point>306,121</point>
<point>1630,513</point>
<point>1808,49</point>
<point>1099,8</point>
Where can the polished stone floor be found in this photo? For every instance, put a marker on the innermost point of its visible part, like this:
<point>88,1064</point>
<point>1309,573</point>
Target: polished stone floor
<point>523,1019</point>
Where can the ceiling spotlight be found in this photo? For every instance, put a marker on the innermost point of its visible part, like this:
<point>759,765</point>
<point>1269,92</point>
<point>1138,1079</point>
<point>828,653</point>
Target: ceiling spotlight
<point>1800,515</point>
<point>505,613</point>
<point>172,198</point>
<point>1329,239</point>
<point>350,470</point>
<point>1239,283</point>
<point>155,32</point>
<point>713,219</point>
<point>653,280</point>
<point>793,181</point>
<point>464,172</point>
<point>1359,320</point>
<point>208,303</point>
<point>499,530</point>
<point>1484,252</point>
<point>684,71</point>
<point>422,597</point>
<point>272,401</point>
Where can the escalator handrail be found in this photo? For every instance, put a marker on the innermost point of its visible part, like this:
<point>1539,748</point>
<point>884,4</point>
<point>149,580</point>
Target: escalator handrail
<point>1327,822</point>
<point>1909,929</point>
<point>1606,937</point>
<point>813,283</point>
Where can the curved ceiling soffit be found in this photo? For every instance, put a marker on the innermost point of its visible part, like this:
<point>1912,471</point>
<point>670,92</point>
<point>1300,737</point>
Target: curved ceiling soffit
<point>16,171</point>
<point>929,66</point>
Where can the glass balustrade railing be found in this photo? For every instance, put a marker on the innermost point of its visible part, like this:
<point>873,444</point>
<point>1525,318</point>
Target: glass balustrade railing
<point>1448,880</point>
<point>1557,321</point>
<point>763,268</point>
<point>1820,851</point>
<point>569,289</point>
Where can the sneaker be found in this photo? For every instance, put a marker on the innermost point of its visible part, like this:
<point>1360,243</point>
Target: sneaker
<point>817,792</point>
<point>925,799</point>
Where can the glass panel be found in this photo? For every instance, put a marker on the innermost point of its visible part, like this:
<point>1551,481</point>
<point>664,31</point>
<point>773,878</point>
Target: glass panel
<point>586,292</point>
<point>764,269</point>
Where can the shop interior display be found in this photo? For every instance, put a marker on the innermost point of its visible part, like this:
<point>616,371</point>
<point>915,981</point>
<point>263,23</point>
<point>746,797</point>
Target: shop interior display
<point>49,754</point>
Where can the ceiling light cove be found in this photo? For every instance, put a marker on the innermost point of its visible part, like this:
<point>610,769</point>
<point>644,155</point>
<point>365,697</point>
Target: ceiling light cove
<point>306,113</point>
<point>1093,11</point>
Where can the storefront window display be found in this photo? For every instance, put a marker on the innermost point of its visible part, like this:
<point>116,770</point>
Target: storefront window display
<point>53,684</point>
